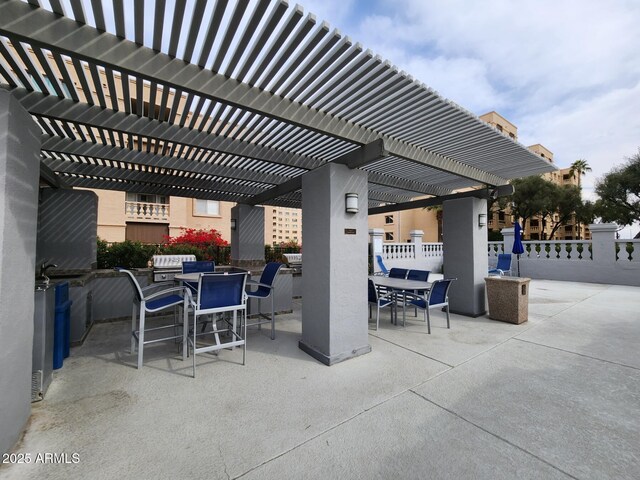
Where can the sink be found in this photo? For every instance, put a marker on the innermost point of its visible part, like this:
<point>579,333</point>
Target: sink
<point>42,285</point>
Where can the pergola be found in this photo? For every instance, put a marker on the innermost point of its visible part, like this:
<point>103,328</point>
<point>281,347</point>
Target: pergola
<point>238,98</point>
<point>258,104</point>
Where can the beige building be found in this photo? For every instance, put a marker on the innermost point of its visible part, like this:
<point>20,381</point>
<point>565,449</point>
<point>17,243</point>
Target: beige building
<point>149,218</point>
<point>398,225</point>
<point>282,224</point>
<point>535,229</point>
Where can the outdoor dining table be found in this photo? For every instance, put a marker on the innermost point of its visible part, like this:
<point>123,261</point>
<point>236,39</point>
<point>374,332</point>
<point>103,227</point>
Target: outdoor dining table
<point>398,286</point>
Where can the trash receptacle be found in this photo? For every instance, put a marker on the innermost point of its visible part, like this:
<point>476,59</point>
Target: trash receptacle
<point>62,325</point>
<point>508,298</point>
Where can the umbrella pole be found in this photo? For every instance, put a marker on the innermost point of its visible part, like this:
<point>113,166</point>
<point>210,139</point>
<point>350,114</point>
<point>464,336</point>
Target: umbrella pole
<point>518,265</point>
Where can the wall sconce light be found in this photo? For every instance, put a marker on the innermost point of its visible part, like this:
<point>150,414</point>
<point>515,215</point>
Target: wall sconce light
<point>233,224</point>
<point>482,219</point>
<point>351,202</point>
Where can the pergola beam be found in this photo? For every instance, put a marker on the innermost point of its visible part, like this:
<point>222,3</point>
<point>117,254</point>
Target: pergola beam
<point>429,202</point>
<point>117,154</point>
<point>48,30</point>
<point>354,159</point>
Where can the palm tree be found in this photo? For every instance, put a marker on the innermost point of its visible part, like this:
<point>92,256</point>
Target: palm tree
<point>580,167</point>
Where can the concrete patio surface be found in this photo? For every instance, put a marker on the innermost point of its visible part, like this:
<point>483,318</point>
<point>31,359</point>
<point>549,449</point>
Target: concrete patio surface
<point>556,397</point>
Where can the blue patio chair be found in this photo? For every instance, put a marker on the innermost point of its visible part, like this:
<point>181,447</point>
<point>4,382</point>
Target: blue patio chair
<point>146,300</point>
<point>437,297</point>
<point>420,275</point>
<point>203,266</point>
<point>266,289</point>
<point>219,293</point>
<point>398,273</point>
<point>380,301</point>
<point>383,268</point>
<point>504,265</point>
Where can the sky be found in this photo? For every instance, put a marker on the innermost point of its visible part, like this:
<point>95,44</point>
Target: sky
<point>565,72</point>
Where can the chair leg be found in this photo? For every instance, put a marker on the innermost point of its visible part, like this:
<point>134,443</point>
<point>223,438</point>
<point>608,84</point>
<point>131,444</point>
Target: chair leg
<point>195,320</point>
<point>428,319</point>
<point>133,329</point>
<point>448,325</point>
<point>244,345</point>
<point>185,328</point>
<point>377,316</point>
<point>259,313</point>
<point>273,319</point>
<point>141,337</point>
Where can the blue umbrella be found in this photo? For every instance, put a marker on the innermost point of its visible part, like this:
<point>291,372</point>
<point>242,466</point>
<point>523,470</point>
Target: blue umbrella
<point>518,248</point>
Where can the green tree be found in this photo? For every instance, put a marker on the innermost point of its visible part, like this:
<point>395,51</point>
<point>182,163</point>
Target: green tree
<point>566,202</point>
<point>532,196</point>
<point>619,192</point>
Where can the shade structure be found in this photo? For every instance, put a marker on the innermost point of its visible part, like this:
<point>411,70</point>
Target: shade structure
<point>229,100</point>
<point>517,248</point>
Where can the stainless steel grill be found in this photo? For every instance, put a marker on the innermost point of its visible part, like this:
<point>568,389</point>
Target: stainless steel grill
<point>165,267</point>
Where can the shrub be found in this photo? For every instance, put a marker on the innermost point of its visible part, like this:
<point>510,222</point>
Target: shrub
<point>204,244</point>
<point>125,254</point>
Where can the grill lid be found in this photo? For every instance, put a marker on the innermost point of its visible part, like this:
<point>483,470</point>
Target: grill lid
<point>171,261</point>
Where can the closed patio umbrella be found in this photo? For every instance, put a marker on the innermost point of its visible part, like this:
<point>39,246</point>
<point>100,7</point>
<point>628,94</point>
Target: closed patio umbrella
<point>518,248</point>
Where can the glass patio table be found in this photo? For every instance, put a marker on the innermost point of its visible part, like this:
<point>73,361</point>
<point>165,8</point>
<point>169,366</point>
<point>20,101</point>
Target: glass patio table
<point>399,286</point>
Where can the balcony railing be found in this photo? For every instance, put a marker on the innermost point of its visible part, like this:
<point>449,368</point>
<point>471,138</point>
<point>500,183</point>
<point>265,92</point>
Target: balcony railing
<point>146,211</point>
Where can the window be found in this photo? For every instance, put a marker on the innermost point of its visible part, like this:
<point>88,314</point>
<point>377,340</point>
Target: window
<point>146,198</point>
<point>533,223</point>
<point>206,207</point>
<point>512,135</point>
<point>535,236</point>
<point>499,127</point>
<point>388,236</point>
<point>501,216</point>
<point>388,219</point>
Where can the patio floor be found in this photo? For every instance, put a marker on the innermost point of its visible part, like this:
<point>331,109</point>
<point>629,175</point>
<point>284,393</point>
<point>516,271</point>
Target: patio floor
<point>556,397</point>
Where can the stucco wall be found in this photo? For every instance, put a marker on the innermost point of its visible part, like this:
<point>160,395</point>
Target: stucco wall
<point>19,173</point>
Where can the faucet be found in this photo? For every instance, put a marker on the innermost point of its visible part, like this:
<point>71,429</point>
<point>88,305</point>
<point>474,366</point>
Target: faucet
<point>43,270</point>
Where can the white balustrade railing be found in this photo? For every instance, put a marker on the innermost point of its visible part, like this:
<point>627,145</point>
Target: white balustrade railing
<point>628,251</point>
<point>433,249</point>
<point>495,248</point>
<point>146,211</point>
<point>557,249</point>
<point>393,251</point>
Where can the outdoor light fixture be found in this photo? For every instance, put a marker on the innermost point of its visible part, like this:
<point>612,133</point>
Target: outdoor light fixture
<point>482,219</point>
<point>233,224</point>
<point>351,202</point>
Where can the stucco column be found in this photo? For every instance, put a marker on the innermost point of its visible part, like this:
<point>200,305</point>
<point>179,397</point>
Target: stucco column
<point>603,247</point>
<point>465,254</point>
<point>416,239</point>
<point>19,177</point>
<point>334,266</point>
<point>247,240</point>
<point>509,236</point>
<point>376,236</point>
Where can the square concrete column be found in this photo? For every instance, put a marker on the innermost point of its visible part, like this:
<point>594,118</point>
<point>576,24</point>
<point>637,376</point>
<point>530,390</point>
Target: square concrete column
<point>465,254</point>
<point>334,271</point>
<point>19,177</point>
<point>508,238</point>
<point>603,242</point>
<point>247,240</point>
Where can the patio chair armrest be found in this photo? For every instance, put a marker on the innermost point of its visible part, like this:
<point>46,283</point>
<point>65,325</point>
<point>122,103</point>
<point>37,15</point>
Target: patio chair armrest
<point>151,286</point>
<point>164,292</point>
<point>258,284</point>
